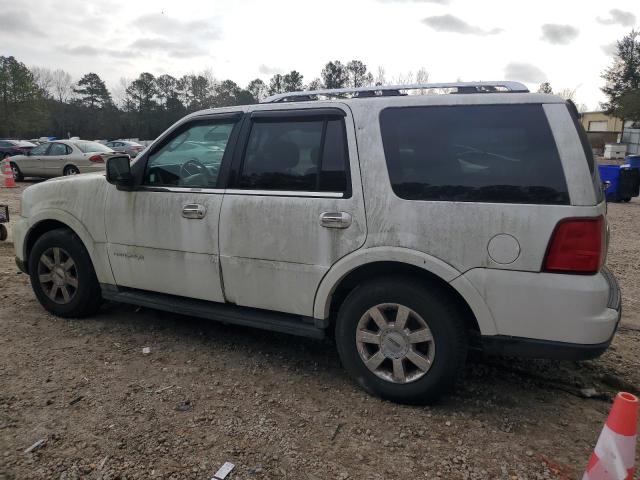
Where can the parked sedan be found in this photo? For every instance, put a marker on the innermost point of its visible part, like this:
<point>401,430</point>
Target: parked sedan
<point>125,146</point>
<point>65,157</point>
<point>14,147</point>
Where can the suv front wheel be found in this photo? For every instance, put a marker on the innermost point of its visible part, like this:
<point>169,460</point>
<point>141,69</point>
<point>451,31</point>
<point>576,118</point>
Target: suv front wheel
<point>62,275</point>
<point>403,341</point>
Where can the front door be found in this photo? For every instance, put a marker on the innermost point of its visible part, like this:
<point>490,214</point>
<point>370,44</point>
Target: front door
<point>31,165</point>
<point>163,236</point>
<point>294,208</point>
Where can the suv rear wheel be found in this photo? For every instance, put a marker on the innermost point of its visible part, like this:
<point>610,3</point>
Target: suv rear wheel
<point>62,275</point>
<point>403,341</point>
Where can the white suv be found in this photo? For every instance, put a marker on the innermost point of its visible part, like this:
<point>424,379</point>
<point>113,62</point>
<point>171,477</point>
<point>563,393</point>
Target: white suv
<point>411,227</point>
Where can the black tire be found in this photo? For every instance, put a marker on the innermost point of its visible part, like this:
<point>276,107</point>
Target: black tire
<point>70,170</point>
<point>17,174</point>
<point>441,313</point>
<point>86,298</point>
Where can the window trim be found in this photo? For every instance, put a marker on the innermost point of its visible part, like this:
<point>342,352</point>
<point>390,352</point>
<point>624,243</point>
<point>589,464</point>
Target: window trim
<point>139,168</point>
<point>276,116</point>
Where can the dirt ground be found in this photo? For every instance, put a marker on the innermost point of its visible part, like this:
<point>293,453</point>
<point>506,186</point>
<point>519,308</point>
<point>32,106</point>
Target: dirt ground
<point>279,406</point>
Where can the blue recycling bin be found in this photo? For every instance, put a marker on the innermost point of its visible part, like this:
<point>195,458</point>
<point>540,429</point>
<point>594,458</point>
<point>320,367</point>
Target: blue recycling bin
<point>624,182</point>
<point>611,174</point>
<point>633,161</point>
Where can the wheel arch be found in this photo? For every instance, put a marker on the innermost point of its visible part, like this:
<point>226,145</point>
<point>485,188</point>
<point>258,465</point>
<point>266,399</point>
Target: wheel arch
<point>381,261</point>
<point>48,220</point>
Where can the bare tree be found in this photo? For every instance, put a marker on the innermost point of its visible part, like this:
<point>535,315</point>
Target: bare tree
<point>43,78</point>
<point>61,85</point>
<point>567,93</point>
<point>119,92</point>
<point>380,79</point>
<point>315,84</point>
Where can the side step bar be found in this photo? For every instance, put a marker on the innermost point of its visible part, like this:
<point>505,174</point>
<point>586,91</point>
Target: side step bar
<point>221,312</point>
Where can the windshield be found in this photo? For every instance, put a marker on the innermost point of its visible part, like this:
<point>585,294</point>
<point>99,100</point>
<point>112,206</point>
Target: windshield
<point>89,147</point>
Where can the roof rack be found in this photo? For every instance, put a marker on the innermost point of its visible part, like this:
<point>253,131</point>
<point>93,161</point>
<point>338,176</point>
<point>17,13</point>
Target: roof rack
<point>394,90</point>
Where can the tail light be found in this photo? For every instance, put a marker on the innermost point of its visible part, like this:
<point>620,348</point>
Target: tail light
<point>577,245</point>
<point>96,159</point>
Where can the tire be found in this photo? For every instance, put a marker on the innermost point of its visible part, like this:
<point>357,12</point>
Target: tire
<point>70,170</point>
<point>17,174</point>
<point>428,305</point>
<point>80,300</point>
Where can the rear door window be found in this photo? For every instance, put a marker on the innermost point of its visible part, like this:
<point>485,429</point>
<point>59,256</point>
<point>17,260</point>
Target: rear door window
<point>473,153</point>
<point>306,154</point>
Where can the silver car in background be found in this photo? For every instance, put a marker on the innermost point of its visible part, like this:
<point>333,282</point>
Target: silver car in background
<point>126,146</point>
<point>63,157</point>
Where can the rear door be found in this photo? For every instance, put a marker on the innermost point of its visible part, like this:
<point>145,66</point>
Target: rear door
<point>294,207</point>
<point>55,159</point>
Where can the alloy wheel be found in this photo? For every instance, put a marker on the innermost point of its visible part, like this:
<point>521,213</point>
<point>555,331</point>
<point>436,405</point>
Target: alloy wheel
<point>58,275</point>
<point>395,343</point>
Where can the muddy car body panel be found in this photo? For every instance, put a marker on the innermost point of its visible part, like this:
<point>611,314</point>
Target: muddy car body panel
<point>295,210</point>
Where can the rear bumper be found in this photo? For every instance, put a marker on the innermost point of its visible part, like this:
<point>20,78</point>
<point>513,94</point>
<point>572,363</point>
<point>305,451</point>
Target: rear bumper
<point>549,313</point>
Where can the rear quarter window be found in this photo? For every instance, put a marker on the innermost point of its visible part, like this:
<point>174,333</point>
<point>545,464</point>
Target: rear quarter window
<point>473,153</point>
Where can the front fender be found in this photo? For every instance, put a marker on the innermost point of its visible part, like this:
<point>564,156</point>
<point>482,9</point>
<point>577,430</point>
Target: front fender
<point>97,251</point>
<point>324,293</point>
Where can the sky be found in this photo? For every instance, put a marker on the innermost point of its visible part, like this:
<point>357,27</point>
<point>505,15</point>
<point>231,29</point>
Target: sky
<point>566,42</point>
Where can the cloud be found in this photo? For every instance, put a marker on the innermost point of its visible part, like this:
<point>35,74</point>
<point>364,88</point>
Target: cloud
<point>166,26</point>
<point>175,49</point>
<point>89,51</point>
<point>449,23</point>
<point>524,72</point>
<point>559,34</point>
<point>266,70</point>
<point>610,49</point>
<point>620,17</point>
<point>17,23</point>
<point>441,2</point>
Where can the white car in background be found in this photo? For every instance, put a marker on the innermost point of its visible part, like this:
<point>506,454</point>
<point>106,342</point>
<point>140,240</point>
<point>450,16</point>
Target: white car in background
<point>63,157</point>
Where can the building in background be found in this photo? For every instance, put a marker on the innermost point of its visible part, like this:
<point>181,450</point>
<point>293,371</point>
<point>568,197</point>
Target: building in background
<point>605,129</point>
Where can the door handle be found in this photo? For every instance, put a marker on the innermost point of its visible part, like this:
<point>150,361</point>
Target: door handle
<point>335,219</point>
<point>194,210</point>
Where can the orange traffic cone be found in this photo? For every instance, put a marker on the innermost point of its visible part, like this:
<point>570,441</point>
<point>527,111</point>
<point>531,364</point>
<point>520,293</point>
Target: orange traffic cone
<point>7,173</point>
<point>614,455</point>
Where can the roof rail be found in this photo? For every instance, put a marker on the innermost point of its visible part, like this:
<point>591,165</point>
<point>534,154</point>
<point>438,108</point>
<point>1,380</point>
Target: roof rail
<point>389,90</point>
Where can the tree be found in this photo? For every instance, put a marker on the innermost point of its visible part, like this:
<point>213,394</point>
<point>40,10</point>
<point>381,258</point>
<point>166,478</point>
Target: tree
<point>630,105</point>
<point>335,75</point>
<point>545,87</point>
<point>142,92</point>
<point>358,74</point>
<point>43,78</point>
<point>567,94</point>
<point>92,92</point>
<point>623,77</point>
<point>227,93</point>
<point>258,89</point>
<point>166,87</point>
<point>381,79</point>
<point>276,84</point>
<point>21,103</point>
<point>61,85</point>
<point>315,84</point>
<point>292,82</point>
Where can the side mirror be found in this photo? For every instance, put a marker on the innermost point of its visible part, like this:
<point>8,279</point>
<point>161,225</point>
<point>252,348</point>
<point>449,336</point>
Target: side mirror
<point>119,173</point>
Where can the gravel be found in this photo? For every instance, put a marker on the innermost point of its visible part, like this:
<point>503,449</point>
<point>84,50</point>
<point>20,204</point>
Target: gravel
<point>278,406</point>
